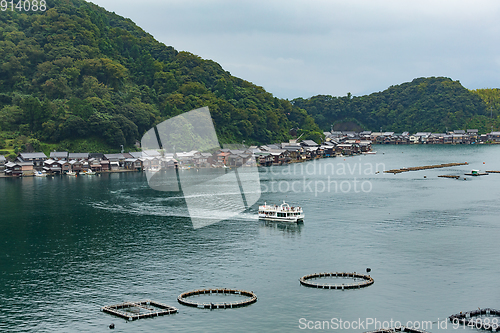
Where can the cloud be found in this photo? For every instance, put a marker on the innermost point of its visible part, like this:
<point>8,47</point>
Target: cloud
<point>303,48</point>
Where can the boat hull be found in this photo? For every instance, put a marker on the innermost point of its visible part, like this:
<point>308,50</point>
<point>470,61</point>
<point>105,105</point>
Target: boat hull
<point>281,219</point>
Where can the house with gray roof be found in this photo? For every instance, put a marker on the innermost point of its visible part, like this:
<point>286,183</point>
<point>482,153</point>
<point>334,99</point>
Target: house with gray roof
<point>78,156</point>
<point>36,159</point>
<point>309,143</point>
<point>59,155</point>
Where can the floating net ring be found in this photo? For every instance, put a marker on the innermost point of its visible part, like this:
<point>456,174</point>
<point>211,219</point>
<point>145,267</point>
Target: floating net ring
<point>474,319</point>
<point>366,280</point>
<point>252,298</point>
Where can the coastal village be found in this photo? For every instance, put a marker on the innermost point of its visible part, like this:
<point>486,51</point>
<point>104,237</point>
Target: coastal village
<point>336,143</point>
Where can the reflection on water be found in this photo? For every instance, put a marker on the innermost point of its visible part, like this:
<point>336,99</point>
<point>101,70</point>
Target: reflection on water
<point>70,245</point>
<point>282,227</point>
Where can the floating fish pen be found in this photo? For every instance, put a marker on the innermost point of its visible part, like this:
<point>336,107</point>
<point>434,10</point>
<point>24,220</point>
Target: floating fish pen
<point>425,167</point>
<point>132,310</point>
<point>449,176</point>
<point>366,280</point>
<point>467,319</point>
<point>398,329</point>
<point>252,298</point>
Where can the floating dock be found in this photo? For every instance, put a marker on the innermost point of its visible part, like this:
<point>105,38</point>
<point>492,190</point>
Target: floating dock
<point>150,308</point>
<point>492,171</point>
<point>252,298</point>
<point>467,319</point>
<point>425,167</point>
<point>367,280</point>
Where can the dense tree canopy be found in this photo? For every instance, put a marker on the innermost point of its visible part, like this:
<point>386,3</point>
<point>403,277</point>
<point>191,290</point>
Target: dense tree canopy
<point>77,71</point>
<point>424,104</point>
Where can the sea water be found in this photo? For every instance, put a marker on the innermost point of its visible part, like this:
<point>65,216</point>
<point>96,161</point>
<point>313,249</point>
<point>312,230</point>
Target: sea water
<point>70,245</point>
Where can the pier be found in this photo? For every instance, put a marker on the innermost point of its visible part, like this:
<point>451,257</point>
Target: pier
<point>252,298</point>
<point>425,167</point>
<point>152,309</point>
<point>367,281</point>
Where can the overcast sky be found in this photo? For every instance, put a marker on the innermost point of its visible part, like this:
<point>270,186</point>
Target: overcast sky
<point>302,48</point>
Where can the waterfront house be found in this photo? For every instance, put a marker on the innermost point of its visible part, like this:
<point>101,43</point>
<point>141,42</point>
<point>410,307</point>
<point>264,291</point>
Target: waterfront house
<point>447,139</point>
<point>365,135</point>
<point>344,148</point>
<point>264,158</point>
<point>494,136</point>
<point>202,160</point>
<point>185,158</point>
<point>59,155</point>
<point>65,166</point>
<point>365,145</point>
<point>13,169</point>
<point>222,158</point>
<point>473,135</point>
<point>329,149</point>
<point>294,152</point>
<point>278,156</point>
<point>52,166</point>
<point>76,165</point>
<point>36,159</point>
<point>115,159</point>
<point>133,163</point>
<point>235,160</point>
<point>169,163</point>
<point>2,163</point>
<point>105,165</point>
<point>95,164</point>
<point>19,168</point>
<point>151,163</point>
<point>309,143</point>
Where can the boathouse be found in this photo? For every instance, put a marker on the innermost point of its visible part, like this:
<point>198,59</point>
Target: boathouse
<point>52,166</point>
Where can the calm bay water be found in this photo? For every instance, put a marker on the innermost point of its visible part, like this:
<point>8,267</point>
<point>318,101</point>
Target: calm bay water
<point>69,246</point>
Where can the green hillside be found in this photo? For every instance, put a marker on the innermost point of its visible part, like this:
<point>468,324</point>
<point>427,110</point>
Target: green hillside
<point>424,104</point>
<point>80,78</point>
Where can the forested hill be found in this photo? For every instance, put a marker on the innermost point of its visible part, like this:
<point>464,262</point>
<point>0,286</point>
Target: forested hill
<point>77,73</point>
<point>424,104</point>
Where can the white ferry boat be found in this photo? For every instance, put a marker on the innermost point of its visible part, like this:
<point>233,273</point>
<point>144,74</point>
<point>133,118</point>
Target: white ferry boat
<point>282,213</point>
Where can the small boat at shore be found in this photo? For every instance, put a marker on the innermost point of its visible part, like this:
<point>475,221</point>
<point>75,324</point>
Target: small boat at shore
<point>71,173</point>
<point>281,213</point>
<point>40,174</point>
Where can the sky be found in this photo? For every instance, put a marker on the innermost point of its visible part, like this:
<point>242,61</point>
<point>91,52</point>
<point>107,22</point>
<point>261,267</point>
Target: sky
<point>303,48</point>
